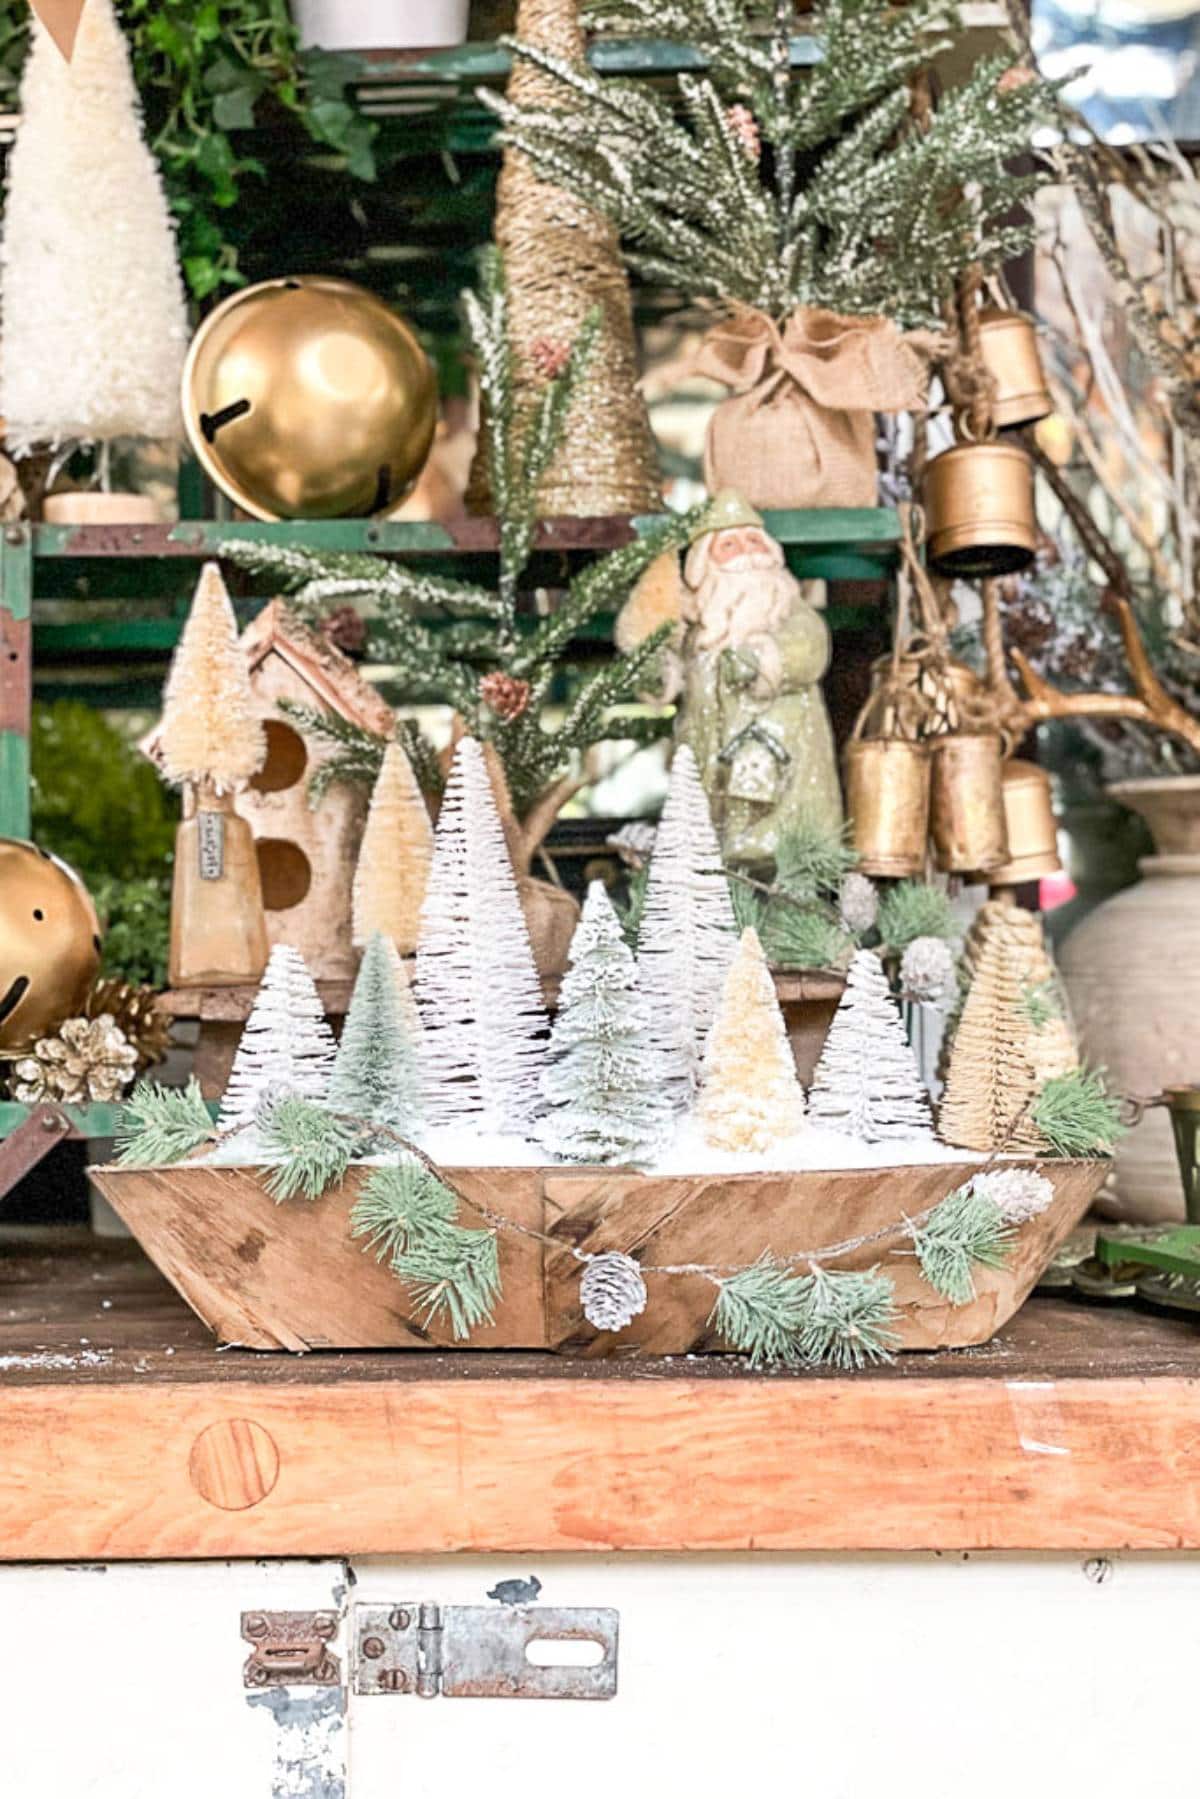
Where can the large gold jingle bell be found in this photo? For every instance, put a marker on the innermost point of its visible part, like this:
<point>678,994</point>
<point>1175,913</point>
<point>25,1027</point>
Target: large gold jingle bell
<point>309,398</point>
<point>49,943</point>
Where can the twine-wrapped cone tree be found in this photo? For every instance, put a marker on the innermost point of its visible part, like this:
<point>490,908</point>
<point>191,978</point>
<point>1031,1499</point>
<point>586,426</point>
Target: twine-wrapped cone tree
<point>563,259</point>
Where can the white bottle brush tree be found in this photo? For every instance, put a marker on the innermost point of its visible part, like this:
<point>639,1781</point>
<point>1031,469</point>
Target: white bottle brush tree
<point>477,987</point>
<point>687,935</point>
<point>750,1099</point>
<point>599,1084</point>
<point>376,1076</point>
<point>286,1049</point>
<point>867,1083</point>
<point>392,871</point>
<point>95,325</point>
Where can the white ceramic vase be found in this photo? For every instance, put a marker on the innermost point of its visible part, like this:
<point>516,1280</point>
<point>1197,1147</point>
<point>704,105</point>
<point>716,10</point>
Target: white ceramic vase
<point>381,24</point>
<point>1132,972</point>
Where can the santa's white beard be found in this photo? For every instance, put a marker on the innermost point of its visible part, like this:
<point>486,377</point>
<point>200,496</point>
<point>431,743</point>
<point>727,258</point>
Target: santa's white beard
<point>743,599</point>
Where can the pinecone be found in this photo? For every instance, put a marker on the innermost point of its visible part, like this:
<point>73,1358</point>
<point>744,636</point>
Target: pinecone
<point>505,695</point>
<point>549,358</point>
<point>858,903</point>
<point>612,1291</point>
<point>744,125</point>
<point>88,1059</point>
<point>136,1013</point>
<point>927,969</point>
<point>345,629</point>
<point>1020,1193</point>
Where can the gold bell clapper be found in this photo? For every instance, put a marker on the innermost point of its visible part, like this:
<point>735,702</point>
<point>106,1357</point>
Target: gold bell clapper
<point>218,925</point>
<point>1030,824</point>
<point>1008,346</point>
<point>979,513</point>
<point>966,810</point>
<point>309,398</point>
<point>887,799</point>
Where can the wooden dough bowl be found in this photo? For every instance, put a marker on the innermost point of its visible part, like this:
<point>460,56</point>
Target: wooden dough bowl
<point>269,1276</point>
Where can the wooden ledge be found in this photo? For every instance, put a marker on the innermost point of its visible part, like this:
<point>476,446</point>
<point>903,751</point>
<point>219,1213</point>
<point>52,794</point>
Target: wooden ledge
<point>124,1434</point>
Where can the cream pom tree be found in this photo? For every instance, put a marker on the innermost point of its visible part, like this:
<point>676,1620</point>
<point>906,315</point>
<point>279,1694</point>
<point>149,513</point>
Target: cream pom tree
<point>867,1083</point>
<point>211,743</point>
<point>392,871</point>
<point>750,1098</point>
<point>94,317</point>
<point>687,935</point>
<point>476,984</point>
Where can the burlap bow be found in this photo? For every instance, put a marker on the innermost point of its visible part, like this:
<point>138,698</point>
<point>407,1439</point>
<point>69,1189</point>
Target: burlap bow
<point>799,429</point>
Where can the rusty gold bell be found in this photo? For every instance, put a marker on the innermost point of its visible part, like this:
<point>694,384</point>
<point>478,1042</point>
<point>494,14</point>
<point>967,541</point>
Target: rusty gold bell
<point>979,514</point>
<point>1031,826</point>
<point>309,398</point>
<point>49,943</point>
<point>887,798</point>
<point>967,821</point>
<point>1009,347</point>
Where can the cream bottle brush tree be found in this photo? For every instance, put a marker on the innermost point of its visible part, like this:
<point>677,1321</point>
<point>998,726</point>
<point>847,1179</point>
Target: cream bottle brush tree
<point>211,743</point>
<point>750,1098</point>
<point>95,324</point>
<point>392,871</point>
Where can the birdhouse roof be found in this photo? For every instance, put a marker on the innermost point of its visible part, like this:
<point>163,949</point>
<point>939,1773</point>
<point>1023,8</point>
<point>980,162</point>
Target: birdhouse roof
<point>334,680</point>
<point>333,677</point>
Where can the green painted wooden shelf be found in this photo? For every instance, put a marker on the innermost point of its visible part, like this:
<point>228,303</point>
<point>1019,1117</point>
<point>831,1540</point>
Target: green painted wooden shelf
<point>87,1121</point>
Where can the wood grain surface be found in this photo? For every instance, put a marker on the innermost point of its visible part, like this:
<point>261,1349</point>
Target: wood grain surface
<point>1076,1428</point>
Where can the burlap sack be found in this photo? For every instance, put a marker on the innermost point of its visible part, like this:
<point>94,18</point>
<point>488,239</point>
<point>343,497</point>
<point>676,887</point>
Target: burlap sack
<point>799,429</point>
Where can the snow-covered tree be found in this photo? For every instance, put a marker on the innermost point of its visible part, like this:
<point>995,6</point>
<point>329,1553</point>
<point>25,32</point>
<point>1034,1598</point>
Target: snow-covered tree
<point>599,1083</point>
<point>211,732</point>
<point>95,323</point>
<point>866,1083</point>
<point>476,984</point>
<point>375,1075</point>
<point>286,1047</point>
<point>394,857</point>
<point>750,1098</point>
<point>688,934</point>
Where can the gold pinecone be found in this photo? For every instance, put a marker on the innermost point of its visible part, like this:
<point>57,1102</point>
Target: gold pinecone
<point>136,1012</point>
<point>86,1059</point>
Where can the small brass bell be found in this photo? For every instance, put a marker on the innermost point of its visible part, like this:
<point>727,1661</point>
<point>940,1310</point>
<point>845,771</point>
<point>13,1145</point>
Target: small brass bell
<point>979,510</point>
<point>887,798</point>
<point>967,821</point>
<point>1009,346</point>
<point>1031,825</point>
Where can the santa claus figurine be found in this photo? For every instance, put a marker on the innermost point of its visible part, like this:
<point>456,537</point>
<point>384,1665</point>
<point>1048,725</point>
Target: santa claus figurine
<point>747,678</point>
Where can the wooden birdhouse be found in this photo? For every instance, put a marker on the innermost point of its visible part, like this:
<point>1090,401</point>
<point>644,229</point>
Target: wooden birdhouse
<point>306,855</point>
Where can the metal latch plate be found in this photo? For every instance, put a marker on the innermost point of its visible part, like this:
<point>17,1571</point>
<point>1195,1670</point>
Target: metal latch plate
<point>291,1649</point>
<point>481,1652</point>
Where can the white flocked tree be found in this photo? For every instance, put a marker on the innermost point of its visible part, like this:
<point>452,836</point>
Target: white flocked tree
<point>286,1047</point>
<point>867,1084</point>
<point>95,322</point>
<point>688,933</point>
<point>476,984</point>
<point>376,1075</point>
<point>211,732</point>
<point>598,1084</point>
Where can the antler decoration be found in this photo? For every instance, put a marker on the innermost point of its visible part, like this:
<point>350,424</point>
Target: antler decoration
<point>1152,705</point>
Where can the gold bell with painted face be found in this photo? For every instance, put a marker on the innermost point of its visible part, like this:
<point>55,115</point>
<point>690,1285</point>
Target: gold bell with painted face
<point>49,943</point>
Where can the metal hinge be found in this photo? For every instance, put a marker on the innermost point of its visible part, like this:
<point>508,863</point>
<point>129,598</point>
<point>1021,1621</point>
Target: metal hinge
<point>481,1651</point>
<point>291,1649</point>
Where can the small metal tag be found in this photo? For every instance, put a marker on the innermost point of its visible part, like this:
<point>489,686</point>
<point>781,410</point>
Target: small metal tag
<point>212,845</point>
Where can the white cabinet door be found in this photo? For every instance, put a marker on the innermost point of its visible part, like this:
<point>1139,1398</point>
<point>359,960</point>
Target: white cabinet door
<point>125,1681</point>
<point>836,1677</point>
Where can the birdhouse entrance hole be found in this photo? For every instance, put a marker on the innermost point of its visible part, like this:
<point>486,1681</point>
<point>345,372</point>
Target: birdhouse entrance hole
<point>287,759</point>
<point>285,872</point>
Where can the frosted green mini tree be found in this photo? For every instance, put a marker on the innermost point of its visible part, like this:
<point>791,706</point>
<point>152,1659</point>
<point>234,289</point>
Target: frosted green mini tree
<point>604,1102</point>
<point>375,1075</point>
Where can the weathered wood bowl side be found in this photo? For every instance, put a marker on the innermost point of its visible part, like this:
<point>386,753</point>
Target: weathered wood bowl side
<point>290,1276</point>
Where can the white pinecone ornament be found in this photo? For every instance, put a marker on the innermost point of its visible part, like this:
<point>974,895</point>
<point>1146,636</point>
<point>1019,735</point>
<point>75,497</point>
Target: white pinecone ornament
<point>86,1059</point>
<point>1020,1193</point>
<point>927,970</point>
<point>858,903</point>
<point>612,1291</point>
